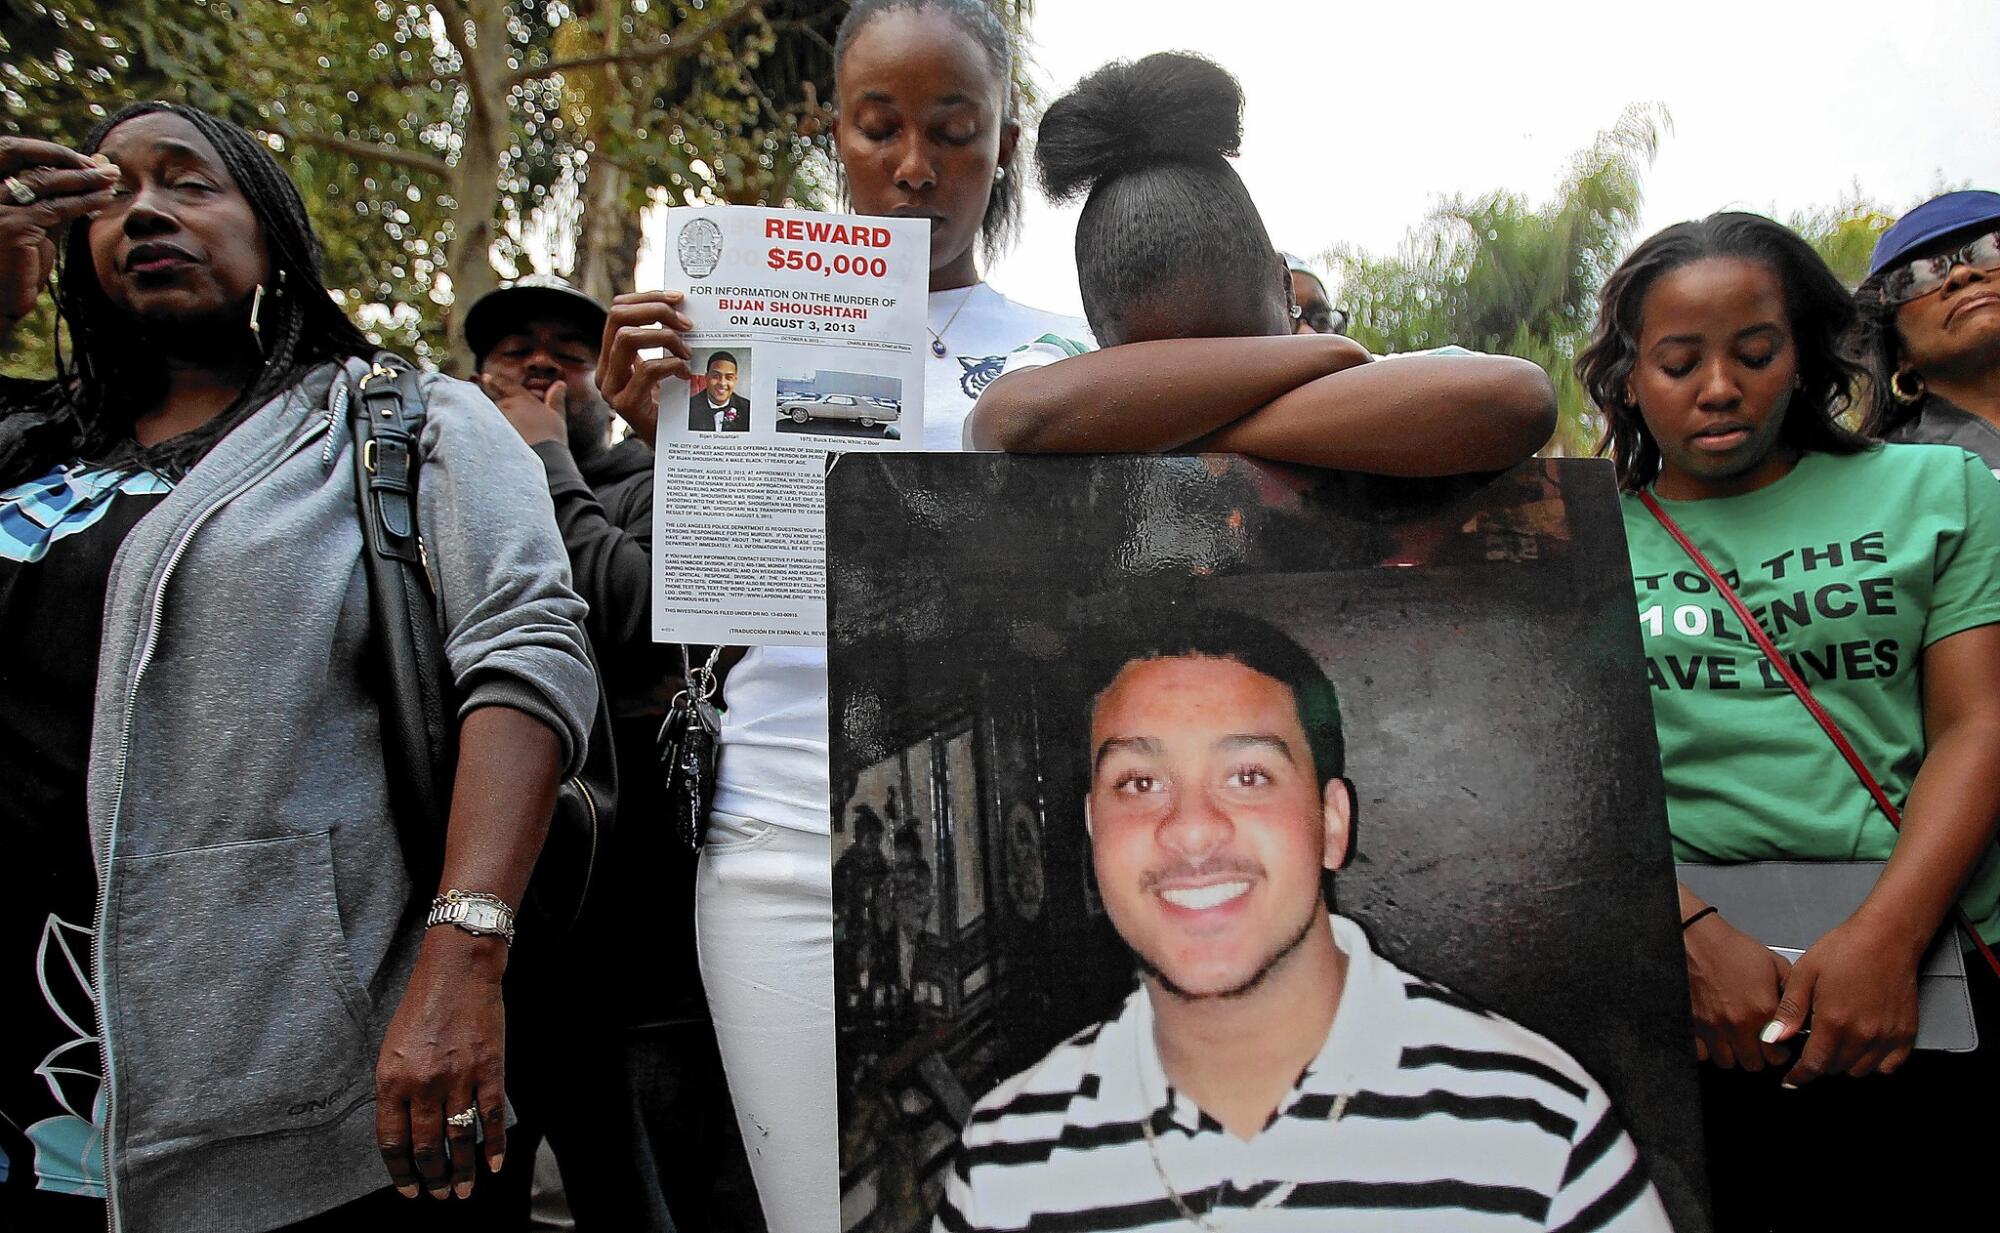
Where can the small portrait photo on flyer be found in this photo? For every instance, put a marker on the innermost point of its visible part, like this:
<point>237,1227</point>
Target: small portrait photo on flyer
<point>718,397</point>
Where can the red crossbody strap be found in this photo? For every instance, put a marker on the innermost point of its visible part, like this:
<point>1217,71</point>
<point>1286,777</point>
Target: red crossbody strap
<point>1802,692</point>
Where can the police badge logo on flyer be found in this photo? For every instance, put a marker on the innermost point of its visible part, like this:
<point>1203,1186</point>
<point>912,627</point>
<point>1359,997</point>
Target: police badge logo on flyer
<point>807,329</point>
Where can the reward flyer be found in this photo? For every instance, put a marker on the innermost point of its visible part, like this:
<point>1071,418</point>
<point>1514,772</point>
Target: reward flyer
<point>805,341</point>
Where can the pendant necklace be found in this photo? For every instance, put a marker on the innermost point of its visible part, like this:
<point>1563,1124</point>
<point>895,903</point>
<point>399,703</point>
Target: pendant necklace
<point>937,336</point>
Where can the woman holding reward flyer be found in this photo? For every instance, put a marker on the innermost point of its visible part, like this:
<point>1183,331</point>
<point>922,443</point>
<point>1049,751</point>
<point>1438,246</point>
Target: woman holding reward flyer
<point>926,128</point>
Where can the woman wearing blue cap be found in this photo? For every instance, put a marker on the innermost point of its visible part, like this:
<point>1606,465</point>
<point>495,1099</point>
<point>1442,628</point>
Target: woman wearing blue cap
<point>1930,326</point>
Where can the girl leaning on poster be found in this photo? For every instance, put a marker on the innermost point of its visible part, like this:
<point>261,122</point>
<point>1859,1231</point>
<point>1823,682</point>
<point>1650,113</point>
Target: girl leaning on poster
<point>1717,364</point>
<point>221,1012</point>
<point>1193,309</point>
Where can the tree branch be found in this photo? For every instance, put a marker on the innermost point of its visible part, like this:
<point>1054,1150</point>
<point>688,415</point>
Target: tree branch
<point>684,42</point>
<point>414,159</point>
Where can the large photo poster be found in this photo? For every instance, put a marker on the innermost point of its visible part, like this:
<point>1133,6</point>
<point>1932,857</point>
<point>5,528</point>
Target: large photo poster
<point>1023,650</point>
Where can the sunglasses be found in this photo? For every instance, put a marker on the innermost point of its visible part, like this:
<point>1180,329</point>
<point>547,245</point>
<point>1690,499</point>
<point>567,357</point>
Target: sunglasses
<point>1915,279</point>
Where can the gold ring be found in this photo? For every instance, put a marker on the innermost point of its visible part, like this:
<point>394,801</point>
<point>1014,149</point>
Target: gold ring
<point>465,1120</point>
<point>18,189</point>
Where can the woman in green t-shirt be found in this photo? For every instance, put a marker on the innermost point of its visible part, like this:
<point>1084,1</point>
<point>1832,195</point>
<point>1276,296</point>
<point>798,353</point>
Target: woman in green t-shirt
<point>1716,363</point>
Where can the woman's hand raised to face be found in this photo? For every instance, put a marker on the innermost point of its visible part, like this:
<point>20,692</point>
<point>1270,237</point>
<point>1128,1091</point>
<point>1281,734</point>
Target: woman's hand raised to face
<point>642,321</point>
<point>62,186</point>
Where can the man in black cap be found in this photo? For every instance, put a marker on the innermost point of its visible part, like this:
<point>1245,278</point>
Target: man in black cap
<point>617,1066</point>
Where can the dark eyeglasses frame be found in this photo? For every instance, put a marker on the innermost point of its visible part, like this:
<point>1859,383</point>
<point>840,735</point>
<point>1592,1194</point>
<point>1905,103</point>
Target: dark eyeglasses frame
<point>1907,281</point>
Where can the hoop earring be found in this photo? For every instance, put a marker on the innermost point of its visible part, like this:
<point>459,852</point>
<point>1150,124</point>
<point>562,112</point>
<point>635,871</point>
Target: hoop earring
<point>1908,397</point>
<point>1297,312</point>
<point>256,327</point>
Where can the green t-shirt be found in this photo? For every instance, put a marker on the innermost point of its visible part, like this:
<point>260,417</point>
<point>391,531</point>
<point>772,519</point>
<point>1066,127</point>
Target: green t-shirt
<point>1853,564</point>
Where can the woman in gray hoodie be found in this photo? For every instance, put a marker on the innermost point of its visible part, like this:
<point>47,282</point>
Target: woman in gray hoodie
<point>225,1013</point>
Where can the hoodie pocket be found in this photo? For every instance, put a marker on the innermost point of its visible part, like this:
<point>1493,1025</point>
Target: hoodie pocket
<point>238,1009</point>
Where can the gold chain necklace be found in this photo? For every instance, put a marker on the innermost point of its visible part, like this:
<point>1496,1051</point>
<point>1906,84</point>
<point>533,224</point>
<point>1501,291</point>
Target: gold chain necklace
<point>1197,1219</point>
<point>1188,1213</point>
<point>1193,1217</point>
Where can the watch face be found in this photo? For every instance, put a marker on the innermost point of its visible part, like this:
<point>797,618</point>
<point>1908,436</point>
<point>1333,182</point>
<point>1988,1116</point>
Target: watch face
<point>1024,861</point>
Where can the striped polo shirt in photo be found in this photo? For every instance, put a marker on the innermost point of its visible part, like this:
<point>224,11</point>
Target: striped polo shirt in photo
<point>1420,1112</point>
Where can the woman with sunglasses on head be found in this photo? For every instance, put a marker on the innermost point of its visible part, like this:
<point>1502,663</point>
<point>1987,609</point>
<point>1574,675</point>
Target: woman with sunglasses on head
<point>1194,311</point>
<point>926,126</point>
<point>1717,363</point>
<point>1930,326</point>
<point>224,1013</point>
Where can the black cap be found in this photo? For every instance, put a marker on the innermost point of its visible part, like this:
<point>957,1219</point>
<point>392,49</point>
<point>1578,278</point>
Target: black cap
<point>496,314</point>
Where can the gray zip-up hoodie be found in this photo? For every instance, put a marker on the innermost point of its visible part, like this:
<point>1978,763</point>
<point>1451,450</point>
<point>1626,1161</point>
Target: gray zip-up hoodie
<point>253,934</point>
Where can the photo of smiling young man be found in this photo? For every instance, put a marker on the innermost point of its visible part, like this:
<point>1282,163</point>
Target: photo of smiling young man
<point>715,406</point>
<point>1271,1071</point>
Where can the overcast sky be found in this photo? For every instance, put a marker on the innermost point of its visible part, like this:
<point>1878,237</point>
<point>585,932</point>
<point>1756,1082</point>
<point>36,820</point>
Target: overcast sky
<point>1359,116</point>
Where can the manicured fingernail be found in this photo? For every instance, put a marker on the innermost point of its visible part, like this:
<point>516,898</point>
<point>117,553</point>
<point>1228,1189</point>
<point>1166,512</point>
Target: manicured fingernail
<point>442,1192</point>
<point>1771,1032</point>
<point>463,1190</point>
<point>499,1161</point>
<point>408,1192</point>
<point>1789,1086</point>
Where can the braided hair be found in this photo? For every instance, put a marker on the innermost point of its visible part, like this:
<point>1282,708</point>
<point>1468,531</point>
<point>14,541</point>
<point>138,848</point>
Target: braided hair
<point>979,22</point>
<point>87,410</point>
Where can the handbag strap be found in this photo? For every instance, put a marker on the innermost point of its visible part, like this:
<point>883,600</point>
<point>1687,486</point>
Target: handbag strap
<point>386,417</point>
<point>1804,694</point>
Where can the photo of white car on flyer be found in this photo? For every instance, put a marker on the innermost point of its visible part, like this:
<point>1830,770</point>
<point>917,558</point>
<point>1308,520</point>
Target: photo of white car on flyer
<point>841,404</point>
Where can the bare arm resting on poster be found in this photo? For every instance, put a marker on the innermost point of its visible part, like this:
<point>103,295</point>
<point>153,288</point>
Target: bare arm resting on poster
<point>1309,399</point>
<point>1422,415</point>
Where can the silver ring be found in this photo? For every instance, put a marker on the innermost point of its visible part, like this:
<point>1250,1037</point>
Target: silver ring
<point>465,1120</point>
<point>18,189</point>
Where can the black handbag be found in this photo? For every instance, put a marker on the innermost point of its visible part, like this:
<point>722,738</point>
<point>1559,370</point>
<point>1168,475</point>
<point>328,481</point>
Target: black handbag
<point>419,700</point>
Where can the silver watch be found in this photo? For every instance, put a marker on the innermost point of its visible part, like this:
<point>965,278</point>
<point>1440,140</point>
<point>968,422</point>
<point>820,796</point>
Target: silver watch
<point>474,912</point>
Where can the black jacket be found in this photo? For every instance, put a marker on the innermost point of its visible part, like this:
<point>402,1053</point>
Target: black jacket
<point>645,933</point>
<point>1942,422</point>
<point>703,416</point>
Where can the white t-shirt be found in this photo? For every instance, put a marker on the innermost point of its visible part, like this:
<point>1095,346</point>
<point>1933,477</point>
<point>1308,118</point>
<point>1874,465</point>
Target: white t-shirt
<point>774,733</point>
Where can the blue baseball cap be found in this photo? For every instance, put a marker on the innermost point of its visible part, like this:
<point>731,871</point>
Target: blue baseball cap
<point>1940,216</point>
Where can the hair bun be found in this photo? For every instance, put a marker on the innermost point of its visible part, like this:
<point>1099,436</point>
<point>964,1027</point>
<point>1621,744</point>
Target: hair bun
<point>1168,107</point>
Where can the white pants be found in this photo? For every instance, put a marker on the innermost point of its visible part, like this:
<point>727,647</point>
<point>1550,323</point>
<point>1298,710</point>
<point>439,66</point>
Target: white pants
<point>764,925</point>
